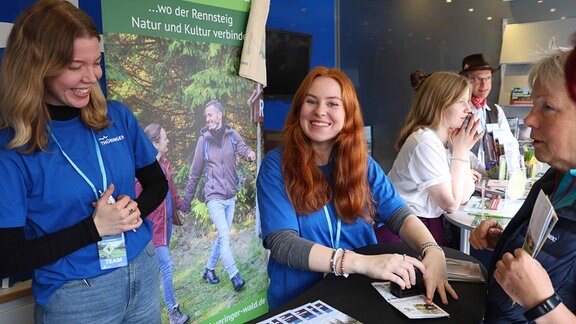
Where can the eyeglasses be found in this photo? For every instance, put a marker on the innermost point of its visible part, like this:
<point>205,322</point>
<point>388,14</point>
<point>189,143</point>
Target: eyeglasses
<point>480,80</point>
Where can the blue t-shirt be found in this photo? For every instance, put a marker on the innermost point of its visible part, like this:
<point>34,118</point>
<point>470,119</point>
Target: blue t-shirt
<point>277,214</point>
<point>43,193</point>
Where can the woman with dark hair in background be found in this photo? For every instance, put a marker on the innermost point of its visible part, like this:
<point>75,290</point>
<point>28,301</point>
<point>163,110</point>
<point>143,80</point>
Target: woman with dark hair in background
<point>319,194</point>
<point>416,79</point>
<point>68,161</point>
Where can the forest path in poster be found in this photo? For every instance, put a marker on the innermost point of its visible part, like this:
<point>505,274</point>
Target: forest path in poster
<point>190,253</point>
<point>166,74</point>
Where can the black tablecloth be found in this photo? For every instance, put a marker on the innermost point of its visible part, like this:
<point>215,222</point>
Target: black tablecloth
<point>356,297</point>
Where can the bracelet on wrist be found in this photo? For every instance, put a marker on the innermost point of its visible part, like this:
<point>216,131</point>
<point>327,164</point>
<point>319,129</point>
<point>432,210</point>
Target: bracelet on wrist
<point>543,308</point>
<point>332,259</point>
<point>428,245</point>
<point>344,273</point>
<point>334,265</point>
<point>459,159</point>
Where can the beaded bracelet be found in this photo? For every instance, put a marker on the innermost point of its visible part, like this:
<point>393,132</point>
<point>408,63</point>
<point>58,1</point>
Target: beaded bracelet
<point>428,245</point>
<point>344,274</point>
<point>332,261</point>
<point>335,262</point>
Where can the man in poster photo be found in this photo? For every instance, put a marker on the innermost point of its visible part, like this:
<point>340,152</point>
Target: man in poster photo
<point>215,159</point>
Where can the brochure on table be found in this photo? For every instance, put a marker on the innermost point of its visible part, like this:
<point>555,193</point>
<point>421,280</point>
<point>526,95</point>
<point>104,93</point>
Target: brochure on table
<point>414,307</point>
<point>316,312</point>
<point>493,207</point>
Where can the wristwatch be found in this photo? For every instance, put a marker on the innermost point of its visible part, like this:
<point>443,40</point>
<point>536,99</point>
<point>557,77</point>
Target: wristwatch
<point>543,308</point>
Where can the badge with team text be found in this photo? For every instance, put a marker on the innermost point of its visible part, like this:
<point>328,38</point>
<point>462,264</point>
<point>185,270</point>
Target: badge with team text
<point>112,252</point>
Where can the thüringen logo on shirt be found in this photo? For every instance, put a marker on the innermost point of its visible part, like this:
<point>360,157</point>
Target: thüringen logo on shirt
<point>105,140</point>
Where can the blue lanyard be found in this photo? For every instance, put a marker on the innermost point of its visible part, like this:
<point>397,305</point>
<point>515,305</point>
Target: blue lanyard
<point>100,163</point>
<point>338,228</point>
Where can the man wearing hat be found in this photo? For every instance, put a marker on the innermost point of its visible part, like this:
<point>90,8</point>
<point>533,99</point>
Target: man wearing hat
<point>491,115</point>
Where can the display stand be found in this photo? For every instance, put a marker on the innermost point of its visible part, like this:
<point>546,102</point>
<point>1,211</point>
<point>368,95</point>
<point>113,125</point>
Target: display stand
<point>518,55</point>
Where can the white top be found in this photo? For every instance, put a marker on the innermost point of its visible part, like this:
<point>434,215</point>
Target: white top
<point>422,162</point>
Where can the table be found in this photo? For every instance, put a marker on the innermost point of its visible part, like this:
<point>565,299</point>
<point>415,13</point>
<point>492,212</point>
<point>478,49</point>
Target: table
<point>356,297</point>
<point>17,303</point>
<point>467,222</point>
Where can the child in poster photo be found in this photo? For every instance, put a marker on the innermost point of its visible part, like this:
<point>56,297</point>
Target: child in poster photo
<point>163,218</point>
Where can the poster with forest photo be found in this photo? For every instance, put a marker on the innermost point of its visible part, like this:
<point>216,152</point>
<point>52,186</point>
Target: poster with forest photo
<point>165,60</point>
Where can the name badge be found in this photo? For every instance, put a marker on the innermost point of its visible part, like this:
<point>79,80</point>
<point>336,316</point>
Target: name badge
<point>112,252</point>
<point>491,127</point>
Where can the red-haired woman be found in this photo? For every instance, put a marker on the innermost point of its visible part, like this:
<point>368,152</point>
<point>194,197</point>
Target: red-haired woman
<point>320,193</point>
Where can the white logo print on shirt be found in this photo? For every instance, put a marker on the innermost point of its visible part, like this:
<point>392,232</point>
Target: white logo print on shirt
<point>105,140</point>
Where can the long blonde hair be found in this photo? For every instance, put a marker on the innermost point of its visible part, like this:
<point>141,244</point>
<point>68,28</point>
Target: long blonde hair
<point>306,185</point>
<point>437,92</point>
<point>41,46</point>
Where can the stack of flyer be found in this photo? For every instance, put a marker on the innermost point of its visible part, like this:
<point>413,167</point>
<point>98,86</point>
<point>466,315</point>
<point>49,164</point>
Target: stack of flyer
<point>414,307</point>
<point>316,312</point>
<point>460,270</point>
<point>493,207</point>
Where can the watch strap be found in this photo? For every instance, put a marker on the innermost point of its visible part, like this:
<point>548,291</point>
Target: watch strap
<point>543,308</point>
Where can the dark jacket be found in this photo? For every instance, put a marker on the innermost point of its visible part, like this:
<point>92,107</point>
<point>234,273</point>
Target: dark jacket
<point>558,256</point>
<point>491,118</point>
<point>159,215</point>
<point>221,179</point>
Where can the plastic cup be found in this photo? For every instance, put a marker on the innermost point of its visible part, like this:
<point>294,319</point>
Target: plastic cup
<point>516,183</point>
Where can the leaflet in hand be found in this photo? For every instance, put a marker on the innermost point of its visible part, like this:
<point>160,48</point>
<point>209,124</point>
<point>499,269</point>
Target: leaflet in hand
<point>541,223</point>
<point>413,307</point>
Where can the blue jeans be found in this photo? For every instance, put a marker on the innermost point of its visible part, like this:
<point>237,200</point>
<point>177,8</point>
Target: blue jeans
<point>222,214</point>
<point>128,294</point>
<point>167,267</point>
